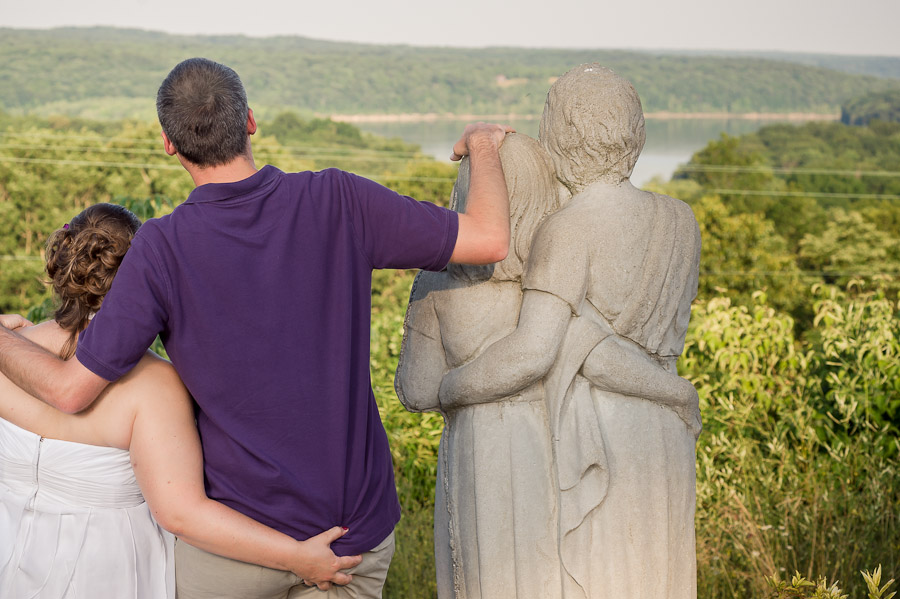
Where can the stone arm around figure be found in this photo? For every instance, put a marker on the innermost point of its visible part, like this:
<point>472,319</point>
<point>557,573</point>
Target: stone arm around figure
<point>526,355</point>
<point>423,360</point>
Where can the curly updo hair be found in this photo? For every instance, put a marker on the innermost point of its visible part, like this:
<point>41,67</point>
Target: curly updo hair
<point>82,259</point>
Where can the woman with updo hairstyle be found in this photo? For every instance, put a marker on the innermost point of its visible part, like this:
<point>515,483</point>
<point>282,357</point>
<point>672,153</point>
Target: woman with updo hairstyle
<point>82,259</point>
<point>81,495</point>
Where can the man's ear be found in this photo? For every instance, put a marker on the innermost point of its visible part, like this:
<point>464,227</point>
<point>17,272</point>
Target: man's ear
<point>251,122</point>
<point>168,145</point>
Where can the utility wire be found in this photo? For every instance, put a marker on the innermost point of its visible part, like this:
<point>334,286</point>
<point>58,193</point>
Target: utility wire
<point>264,152</point>
<point>729,273</point>
<point>263,145</point>
<point>307,149</point>
<point>374,177</point>
<point>338,152</point>
<point>726,168</point>
<point>387,177</point>
<point>802,273</point>
<point>804,194</point>
<point>89,163</point>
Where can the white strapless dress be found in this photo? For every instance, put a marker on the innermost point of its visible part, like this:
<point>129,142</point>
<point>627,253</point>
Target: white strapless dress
<point>73,524</point>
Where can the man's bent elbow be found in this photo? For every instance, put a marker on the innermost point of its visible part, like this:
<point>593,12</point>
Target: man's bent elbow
<point>480,243</point>
<point>77,395</point>
<point>69,404</point>
<point>496,252</point>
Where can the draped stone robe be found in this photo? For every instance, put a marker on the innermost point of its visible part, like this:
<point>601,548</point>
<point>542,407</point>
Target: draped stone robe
<point>626,262</point>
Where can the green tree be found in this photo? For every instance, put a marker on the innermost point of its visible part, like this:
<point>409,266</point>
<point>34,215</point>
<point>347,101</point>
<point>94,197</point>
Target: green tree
<point>850,247</point>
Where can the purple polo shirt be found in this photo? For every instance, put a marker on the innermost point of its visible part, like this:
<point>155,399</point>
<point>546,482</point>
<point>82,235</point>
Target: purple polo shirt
<point>261,291</point>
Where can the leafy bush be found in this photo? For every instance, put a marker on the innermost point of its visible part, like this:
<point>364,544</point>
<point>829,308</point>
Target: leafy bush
<point>797,464</point>
<point>801,588</point>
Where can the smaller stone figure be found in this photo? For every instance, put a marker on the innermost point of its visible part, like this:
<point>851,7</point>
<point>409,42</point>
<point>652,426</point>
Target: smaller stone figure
<point>495,505</point>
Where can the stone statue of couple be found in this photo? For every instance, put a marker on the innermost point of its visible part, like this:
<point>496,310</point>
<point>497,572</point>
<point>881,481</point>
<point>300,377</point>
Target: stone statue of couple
<point>567,464</point>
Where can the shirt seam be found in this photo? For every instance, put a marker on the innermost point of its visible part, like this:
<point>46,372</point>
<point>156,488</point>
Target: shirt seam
<point>165,277</point>
<point>446,252</point>
<point>357,242</point>
<point>107,372</point>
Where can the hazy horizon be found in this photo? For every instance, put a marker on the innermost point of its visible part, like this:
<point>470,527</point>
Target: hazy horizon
<point>860,28</point>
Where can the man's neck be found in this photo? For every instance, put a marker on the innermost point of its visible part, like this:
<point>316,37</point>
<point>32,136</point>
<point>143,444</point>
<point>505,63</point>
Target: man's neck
<point>237,170</point>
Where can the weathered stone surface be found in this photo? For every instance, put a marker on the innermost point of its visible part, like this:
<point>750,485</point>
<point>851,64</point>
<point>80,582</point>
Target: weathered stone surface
<point>567,465</point>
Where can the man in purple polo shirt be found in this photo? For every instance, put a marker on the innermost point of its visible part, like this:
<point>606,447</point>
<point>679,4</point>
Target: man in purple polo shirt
<point>259,285</point>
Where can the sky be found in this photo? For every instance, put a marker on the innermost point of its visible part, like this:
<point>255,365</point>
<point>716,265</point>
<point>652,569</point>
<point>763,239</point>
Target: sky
<point>860,27</point>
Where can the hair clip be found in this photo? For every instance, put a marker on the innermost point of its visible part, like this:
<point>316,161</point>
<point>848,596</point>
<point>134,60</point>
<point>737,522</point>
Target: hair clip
<point>66,226</point>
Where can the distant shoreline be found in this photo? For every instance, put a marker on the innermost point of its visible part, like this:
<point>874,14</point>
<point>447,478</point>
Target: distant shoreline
<point>430,117</point>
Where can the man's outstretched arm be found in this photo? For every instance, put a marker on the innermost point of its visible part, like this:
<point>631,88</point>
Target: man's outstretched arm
<point>483,236</point>
<point>64,384</point>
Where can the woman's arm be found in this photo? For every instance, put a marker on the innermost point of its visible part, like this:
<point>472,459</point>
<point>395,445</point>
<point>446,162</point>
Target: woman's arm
<point>167,460</point>
<point>422,360</point>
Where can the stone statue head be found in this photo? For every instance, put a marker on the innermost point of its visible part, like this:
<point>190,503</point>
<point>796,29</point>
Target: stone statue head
<point>592,126</point>
<point>532,196</point>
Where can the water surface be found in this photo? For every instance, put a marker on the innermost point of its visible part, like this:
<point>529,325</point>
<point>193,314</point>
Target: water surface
<point>670,142</point>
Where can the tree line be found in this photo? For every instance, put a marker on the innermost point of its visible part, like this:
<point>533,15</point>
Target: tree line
<point>112,73</point>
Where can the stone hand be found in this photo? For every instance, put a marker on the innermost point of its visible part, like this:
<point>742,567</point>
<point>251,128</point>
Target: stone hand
<point>449,391</point>
<point>479,133</point>
<point>689,410</point>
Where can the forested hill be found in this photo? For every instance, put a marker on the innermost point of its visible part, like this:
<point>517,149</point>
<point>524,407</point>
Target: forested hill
<point>114,73</point>
<point>880,66</point>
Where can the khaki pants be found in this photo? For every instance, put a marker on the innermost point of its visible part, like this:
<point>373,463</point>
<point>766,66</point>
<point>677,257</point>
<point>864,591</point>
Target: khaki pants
<point>202,575</point>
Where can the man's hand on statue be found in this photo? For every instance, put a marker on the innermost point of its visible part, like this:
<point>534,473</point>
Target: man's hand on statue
<point>14,321</point>
<point>479,133</point>
<point>319,566</point>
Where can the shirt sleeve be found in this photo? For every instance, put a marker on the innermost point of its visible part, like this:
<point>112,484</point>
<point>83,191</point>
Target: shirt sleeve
<point>396,231</point>
<point>132,315</point>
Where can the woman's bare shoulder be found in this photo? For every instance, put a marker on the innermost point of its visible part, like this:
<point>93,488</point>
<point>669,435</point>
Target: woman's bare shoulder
<point>48,335</point>
<point>155,376</point>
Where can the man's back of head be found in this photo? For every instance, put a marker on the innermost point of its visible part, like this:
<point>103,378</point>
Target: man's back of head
<point>202,108</point>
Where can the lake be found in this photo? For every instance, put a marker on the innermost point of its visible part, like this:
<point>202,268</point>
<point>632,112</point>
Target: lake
<point>670,142</point>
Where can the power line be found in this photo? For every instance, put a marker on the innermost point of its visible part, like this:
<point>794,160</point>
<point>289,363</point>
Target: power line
<point>89,163</point>
<point>388,177</point>
<point>374,177</point>
<point>725,168</point>
<point>259,153</point>
<point>156,152</point>
<point>722,273</point>
<point>307,149</point>
<point>265,146</point>
<point>154,141</point>
<point>801,273</point>
<point>258,146</point>
<point>804,194</point>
